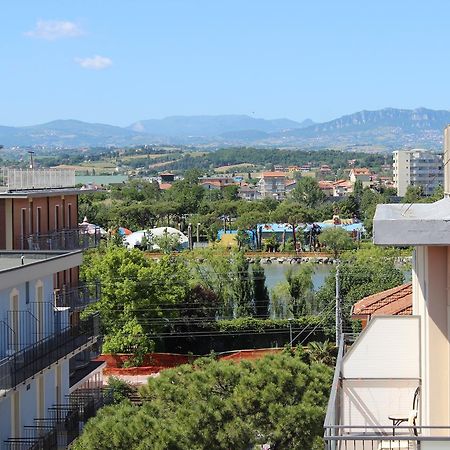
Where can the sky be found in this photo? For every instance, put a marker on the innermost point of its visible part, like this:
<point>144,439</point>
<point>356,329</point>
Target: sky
<point>118,62</point>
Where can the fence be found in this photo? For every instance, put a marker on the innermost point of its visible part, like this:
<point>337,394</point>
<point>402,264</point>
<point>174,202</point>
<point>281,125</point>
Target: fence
<point>18,179</point>
<point>69,239</point>
<point>25,363</point>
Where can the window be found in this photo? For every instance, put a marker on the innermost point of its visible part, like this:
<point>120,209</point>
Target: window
<point>38,219</point>
<point>57,217</point>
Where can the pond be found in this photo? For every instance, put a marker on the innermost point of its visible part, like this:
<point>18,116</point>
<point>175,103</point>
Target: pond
<point>276,273</point>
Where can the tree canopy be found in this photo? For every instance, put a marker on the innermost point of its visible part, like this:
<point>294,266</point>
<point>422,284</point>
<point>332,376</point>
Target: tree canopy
<point>279,400</point>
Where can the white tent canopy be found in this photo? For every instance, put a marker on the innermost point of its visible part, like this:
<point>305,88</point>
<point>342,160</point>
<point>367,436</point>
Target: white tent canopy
<point>135,239</point>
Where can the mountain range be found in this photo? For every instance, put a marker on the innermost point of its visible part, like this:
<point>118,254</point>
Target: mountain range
<point>387,128</point>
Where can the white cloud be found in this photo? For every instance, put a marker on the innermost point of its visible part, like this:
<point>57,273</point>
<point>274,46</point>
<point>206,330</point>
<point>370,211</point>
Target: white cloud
<point>55,29</point>
<point>96,62</point>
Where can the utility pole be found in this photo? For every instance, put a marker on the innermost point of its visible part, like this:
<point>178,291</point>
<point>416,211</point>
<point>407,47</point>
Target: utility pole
<point>338,309</point>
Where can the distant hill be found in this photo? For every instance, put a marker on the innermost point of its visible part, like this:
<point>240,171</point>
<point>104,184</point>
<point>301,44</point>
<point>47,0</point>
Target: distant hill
<point>68,133</point>
<point>408,120</point>
<point>385,129</point>
<point>389,128</point>
<point>211,126</point>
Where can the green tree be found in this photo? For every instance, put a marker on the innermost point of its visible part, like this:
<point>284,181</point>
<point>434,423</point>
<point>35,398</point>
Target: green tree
<point>292,213</point>
<point>308,193</point>
<point>243,288</point>
<point>336,240</point>
<point>301,289</point>
<point>135,290</point>
<point>261,294</point>
<point>279,400</point>
<point>414,194</point>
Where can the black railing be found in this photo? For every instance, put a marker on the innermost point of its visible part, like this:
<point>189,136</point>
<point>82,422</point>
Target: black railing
<point>77,297</point>
<point>25,363</point>
<point>69,239</point>
<point>34,438</point>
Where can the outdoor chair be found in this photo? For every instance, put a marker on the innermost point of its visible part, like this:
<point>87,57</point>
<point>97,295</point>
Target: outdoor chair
<point>403,444</point>
<point>399,419</point>
<point>410,419</point>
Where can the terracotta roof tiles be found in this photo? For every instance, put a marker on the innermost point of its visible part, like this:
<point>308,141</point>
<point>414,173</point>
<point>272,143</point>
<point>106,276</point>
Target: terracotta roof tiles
<point>395,301</point>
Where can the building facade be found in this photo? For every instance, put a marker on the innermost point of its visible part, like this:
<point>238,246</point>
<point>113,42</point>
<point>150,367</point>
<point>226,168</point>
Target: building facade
<point>49,385</point>
<point>417,167</point>
<point>272,185</point>
<point>391,388</point>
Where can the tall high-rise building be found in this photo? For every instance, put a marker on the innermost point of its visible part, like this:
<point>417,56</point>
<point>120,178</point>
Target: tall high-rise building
<point>417,167</point>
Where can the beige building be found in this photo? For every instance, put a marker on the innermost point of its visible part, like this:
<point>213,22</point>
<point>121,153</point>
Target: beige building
<point>392,385</point>
<point>417,167</point>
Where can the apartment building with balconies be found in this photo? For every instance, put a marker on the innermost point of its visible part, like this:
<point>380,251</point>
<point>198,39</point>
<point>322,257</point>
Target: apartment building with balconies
<point>49,384</point>
<point>391,388</point>
<point>45,351</point>
<point>417,167</point>
<point>272,185</point>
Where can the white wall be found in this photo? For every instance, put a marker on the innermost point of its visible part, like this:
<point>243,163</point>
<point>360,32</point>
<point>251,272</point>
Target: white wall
<point>371,402</point>
<point>389,347</point>
<point>381,371</point>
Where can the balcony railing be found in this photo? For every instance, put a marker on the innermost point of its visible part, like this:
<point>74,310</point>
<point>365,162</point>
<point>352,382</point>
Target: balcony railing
<point>69,239</point>
<point>339,435</point>
<point>25,363</point>
<point>18,179</point>
<point>34,438</point>
<point>77,297</point>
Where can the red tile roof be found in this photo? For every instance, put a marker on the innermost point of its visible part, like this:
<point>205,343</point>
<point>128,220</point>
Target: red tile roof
<point>396,301</point>
<point>273,174</point>
<point>361,171</point>
<point>164,186</point>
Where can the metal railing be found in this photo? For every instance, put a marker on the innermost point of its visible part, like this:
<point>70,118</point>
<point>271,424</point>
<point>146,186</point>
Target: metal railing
<point>77,297</point>
<point>345,437</point>
<point>69,239</point>
<point>25,363</point>
<point>341,436</point>
<point>25,179</point>
<point>34,438</point>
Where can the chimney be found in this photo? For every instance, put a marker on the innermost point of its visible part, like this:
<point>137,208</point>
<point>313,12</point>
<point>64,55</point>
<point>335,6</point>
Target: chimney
<point>445,160</point>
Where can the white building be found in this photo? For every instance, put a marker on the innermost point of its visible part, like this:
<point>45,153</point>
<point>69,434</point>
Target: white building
<point>45,351</point>
<point>417,167</point>
<point>392,386</point>
<point>272,185</point>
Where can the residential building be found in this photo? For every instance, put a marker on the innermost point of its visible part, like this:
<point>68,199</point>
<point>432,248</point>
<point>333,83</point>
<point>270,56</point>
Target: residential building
<point>47,378</point>
<point>211,185</point>
<point>39,211</point>
<point>167,177</point>
<point>397,372</point>
<point>248,192</point>
<point>341,188</point>
<point>361,174</point>
<point>417,167</point>
<point>289,186</point>
<point>219,181</point>
<point>272,185</point>
<point>326,187</point>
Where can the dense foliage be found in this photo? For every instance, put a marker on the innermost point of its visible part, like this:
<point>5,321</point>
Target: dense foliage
<point>278,400</point>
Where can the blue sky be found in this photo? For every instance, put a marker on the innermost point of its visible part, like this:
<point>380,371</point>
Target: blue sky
<point>122,61</point>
